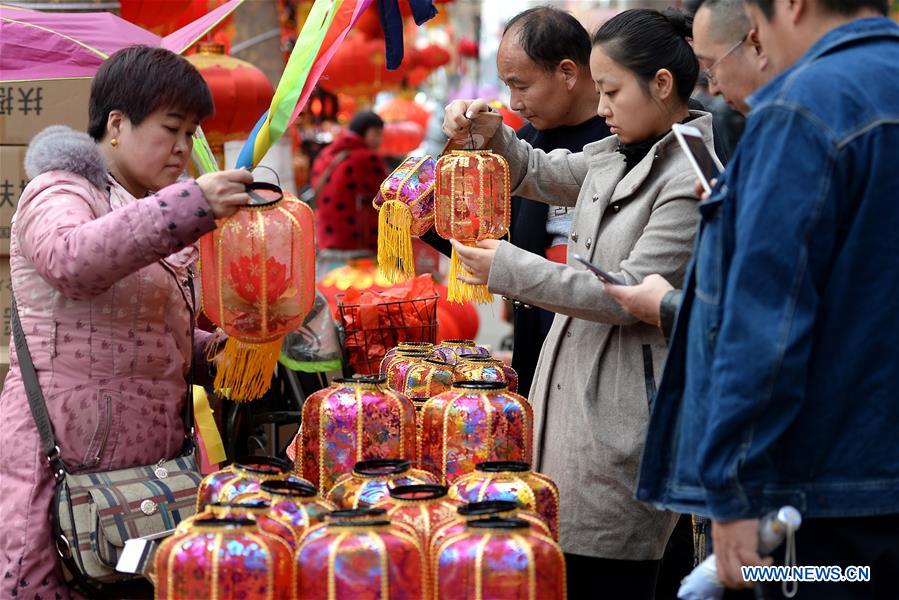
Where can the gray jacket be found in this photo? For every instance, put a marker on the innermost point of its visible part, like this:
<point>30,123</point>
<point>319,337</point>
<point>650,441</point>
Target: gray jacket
<point>597,372</point>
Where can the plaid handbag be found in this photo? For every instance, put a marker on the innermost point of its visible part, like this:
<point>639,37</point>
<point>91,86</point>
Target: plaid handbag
<point>96,513</point>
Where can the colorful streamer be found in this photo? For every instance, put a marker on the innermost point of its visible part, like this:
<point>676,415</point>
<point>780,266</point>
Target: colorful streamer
<point>328,20</point>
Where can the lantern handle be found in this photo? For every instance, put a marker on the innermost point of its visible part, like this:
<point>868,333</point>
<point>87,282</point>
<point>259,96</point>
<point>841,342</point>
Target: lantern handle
<point>278,179</point>
<point>258,200</point>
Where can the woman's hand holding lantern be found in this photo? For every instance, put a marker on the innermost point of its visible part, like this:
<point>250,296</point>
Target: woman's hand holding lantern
<point>226,191</point>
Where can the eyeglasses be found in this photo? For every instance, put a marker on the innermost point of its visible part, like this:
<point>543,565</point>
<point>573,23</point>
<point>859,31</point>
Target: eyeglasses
<point>709,72</point>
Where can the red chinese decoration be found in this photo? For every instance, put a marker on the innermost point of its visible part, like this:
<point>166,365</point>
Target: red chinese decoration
<point>240,90</point>
<point>472,203</point>
<point>223,558</point>
<point>258,278</point>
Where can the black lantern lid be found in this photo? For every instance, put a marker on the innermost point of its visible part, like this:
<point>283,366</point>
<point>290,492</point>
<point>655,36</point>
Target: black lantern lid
<point>417,492</point>
<point>377,467</point>
<point>498,466</point>
<point>288,488</point>
<point>498,523</point>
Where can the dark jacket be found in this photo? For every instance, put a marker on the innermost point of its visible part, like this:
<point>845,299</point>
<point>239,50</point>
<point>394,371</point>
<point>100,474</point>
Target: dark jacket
<point>528,232</point>
<point>780,385</point>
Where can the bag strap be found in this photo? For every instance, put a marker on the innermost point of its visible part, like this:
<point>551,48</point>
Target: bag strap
<point>341,156</point>
<point>36,401</point>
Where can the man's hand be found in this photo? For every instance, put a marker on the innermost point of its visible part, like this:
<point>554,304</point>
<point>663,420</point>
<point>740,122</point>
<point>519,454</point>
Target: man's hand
<point>459,115</point>
<point>736,545</point>
<point>476,260</point>
<point>642,300</point>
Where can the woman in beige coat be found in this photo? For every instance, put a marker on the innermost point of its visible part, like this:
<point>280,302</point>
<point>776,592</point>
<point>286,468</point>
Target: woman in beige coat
<point>635,214</point>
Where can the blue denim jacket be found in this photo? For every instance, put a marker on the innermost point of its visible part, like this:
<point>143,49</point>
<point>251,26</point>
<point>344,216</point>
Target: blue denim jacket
<point>782,381</point>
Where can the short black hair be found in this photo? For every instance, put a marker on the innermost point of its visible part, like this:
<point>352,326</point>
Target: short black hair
<point>139,80</point>
<point>363,121</point>
<point>549,35</point>
<point>841,7</point>
<point>645,40</point>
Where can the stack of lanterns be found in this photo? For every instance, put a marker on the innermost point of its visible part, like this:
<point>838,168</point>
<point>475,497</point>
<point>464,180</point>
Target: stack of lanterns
<point>442,504</point>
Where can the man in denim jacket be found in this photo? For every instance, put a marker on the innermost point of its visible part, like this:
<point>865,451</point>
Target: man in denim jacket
<point>780,385</point>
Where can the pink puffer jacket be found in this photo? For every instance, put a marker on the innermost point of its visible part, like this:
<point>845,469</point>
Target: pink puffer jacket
<point>100,278</point>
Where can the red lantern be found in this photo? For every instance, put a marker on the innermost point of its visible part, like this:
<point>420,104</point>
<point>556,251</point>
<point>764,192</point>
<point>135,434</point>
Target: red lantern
<point>346,560</point>
<point>474,367</point>
<point>399,365</point>
<point>240,90</point>
<point>485,509</point>
<point>400,138</point>
<point>450,350</point>
<point>402,348</point>
<point>474,422</point>
<point>471,203</point>
<point>239,478</point>
<point>358,68</point>
<point>504,559</point>
<point>350,421</point>
<point>513,481</point>
<point>404,109</point>
<point>371,481</point>
<point>223,558</point>
<point>258,278</point>
<point>424,507</point>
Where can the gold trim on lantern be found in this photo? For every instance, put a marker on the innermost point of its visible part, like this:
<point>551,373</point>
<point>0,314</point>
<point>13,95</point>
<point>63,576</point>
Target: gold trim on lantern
<point>479,566</point>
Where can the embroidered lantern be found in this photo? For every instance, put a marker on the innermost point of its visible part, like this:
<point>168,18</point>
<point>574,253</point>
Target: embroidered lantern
<point>451,350</point>
<point>371,481</point>
<point>223,558</point>
<point>399,365</point>
<point>503,559</point>
<point>295,506</point>
<point>350,421</point>
<point>475,367</point>
<point>472,511</point>
<point>513,481</point>
<point>424,507</point>
<point>471,203</point>
<point>346,560</point>
<point>258,281</point>
<point>405,206</point>
<point>474,422</point>
<point>401,348</point>
<point>356,515</point>
<point>251,509</point>
<point>423,381</point>
<point>241,477</point>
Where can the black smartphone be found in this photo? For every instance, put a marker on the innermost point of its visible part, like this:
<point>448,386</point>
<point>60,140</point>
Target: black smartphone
<point>600,274</point>
<point>697,153</point>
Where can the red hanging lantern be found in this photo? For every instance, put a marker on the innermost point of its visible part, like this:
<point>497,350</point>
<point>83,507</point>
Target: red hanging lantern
<point>513,481</point>
<point>223,558</point>
<point>371,481</point>
<point>292,506</point>
<point>401,137</point>
<point>240,90</point>
<point>471,203</point>
<point>474,367</point>
<point>351,421</point>
<point>346,560</point>
<point>405,109</point>
<point>258,278</point>
<point>500,558</point>
<point>405,204</point>
<point>474,422</point>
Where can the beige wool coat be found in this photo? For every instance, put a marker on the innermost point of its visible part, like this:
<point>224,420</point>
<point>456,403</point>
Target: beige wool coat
<point>598,368</point>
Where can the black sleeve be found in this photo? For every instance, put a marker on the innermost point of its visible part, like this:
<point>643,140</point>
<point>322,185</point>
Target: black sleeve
<point>668,311</point>
<point>437,243</point>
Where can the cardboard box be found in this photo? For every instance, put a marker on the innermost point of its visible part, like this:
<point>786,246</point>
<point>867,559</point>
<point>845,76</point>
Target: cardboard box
<point>12,184</point>
<point>27,107</point>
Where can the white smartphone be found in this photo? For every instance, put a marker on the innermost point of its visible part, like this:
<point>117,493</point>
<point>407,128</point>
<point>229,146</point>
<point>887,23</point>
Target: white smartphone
<point>697,153</point>
<point>600,274</point>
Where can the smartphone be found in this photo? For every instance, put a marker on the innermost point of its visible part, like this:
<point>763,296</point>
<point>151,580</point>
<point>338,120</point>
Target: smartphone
<point>697,153</point>
<point>600,274</point>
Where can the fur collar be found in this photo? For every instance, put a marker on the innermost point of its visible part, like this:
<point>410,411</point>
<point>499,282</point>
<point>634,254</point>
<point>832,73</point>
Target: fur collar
<point>60,148</point>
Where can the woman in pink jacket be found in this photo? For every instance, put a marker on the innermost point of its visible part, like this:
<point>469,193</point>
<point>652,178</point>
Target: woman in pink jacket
<point>101,256</point>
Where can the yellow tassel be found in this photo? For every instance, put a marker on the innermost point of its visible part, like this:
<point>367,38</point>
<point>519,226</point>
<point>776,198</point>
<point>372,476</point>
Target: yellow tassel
<point>244,371</point>
<point>459,291</point>
<point>395,261</point>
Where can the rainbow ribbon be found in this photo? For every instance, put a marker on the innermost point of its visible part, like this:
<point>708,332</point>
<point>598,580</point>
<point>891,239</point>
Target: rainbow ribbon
<point>324,21</point>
